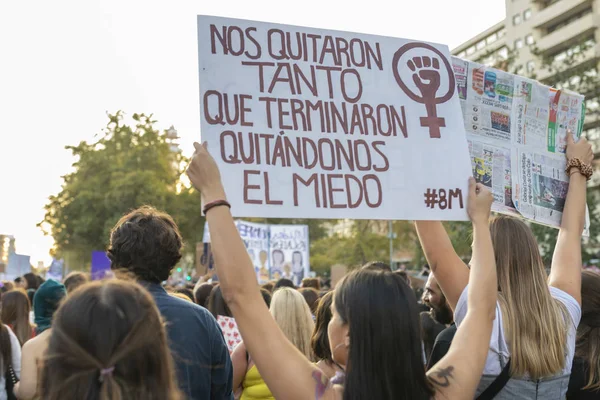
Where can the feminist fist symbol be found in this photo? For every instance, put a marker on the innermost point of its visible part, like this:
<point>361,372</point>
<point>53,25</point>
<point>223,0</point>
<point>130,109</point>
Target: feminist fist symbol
<point>427,78</point>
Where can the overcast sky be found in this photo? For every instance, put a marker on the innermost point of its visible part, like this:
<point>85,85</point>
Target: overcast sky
<point>64,64</point>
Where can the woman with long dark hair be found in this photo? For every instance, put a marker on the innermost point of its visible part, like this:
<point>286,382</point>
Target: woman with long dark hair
<point>15,314</point>
<point>10,357</point>
<point>109,342</point>
<point>320,338</point>
<point>374,331</point>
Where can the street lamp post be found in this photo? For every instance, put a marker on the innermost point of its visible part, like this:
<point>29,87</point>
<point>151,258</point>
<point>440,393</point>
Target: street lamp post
<point>391,236</point>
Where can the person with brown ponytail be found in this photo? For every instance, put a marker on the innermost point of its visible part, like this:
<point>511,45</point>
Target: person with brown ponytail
<point>108,342</point>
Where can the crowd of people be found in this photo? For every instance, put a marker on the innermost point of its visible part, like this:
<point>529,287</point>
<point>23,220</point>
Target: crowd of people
<point>498,327</point>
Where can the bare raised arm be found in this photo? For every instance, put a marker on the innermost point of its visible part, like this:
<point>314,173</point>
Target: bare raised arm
<point>286,371</point>
<point>457,374</point>
<point>565,273</point>
<point>240,366</point>
<point>450,271</point>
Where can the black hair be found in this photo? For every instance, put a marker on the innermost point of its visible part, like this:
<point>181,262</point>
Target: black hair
<point>32,280</point>
<point>377,265</point>
<point>147,243</point>
<point>266,295</point>
<point>202,293</point>
<point>284,282</point>
<point>217,305</point>
<point>187,293</point>
<point>320,339</point>
<point>404,275</point>
<point>385,359</point>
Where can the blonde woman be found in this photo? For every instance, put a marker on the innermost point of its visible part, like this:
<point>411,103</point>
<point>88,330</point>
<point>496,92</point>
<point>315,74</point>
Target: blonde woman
<point>290,311</point>
<point>536,316</point>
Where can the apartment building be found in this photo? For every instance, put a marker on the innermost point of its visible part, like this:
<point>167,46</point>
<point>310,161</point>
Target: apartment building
<point>7,247</point>
<point>538,32</point>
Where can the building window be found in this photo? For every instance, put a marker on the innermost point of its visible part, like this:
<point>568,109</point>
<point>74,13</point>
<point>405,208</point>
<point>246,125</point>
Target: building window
<point>481,45</point>
<point>527,14</point>
<point>470,50</point>
<point>530,66</point>
<point>518,43</point>
<point>462,54</point>
<point>529,39</point>
<point>517,19</point>
<point>503,52</point>
<point>492,38</point>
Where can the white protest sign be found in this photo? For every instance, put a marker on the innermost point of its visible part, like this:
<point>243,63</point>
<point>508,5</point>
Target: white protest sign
<point>256,240</point>
<point>290,252</point>
<point>311,123</point>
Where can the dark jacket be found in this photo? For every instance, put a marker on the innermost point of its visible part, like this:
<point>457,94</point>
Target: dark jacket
<point>204,369</point>
<point>442,345</point>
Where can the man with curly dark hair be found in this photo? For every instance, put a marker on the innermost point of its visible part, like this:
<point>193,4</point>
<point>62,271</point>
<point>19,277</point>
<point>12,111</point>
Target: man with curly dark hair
<point>147,244</point>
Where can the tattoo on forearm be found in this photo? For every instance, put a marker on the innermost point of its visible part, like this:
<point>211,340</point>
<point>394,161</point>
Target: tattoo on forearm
<point>442,376</point>
<point>322,384</point>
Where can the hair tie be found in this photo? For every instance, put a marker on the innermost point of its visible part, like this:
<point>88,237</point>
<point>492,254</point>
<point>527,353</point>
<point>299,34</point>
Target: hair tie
<point>105,372</point>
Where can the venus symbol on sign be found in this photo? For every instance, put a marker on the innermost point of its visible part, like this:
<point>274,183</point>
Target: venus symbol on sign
<point>424,71</point>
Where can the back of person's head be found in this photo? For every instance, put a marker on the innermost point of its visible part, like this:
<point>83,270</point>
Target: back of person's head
<point>30,295</point>
<point>146,243</point>
<point>268,287</point>
<point>266,295</point>
<point>311,296</point>
<point>377,266</point>
<point>290,311</point>
<point>74,280</point>
<point>588,332</point>
<point>216,303</point>
<point>108,342</point>
<point>45,303</point>
<point>314,283</point>
<point>320,340</point>
<point>535,323</point>
<point>187,293</point>
<point>7,286</point>
<point>181,296</point>
<point>376,313</point>
<point>404,275</point>
<point>32,280</point>
<point>15,312</point>
<point>201,293</point>
<point>284,283</point>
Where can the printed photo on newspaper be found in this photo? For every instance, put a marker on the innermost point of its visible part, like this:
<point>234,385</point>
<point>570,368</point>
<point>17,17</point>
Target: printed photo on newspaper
<point>516,130</point>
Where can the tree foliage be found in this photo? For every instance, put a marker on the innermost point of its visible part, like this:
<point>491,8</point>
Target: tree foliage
<point>368,240</point>
<point>129,166</point>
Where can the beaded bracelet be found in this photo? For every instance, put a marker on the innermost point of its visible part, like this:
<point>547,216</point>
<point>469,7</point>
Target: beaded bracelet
<point>585,169</point>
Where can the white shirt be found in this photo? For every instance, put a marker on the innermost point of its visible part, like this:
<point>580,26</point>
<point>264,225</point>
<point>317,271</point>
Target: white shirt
<point>498,346</point>
<point>16,362</point>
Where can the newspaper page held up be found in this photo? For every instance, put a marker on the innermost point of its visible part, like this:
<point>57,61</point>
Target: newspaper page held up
<point>516,130</point>
<point>486,101</point>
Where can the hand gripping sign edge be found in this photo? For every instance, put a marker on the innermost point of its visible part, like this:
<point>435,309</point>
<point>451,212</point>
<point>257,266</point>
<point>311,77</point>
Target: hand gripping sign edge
<point>428,90</point>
